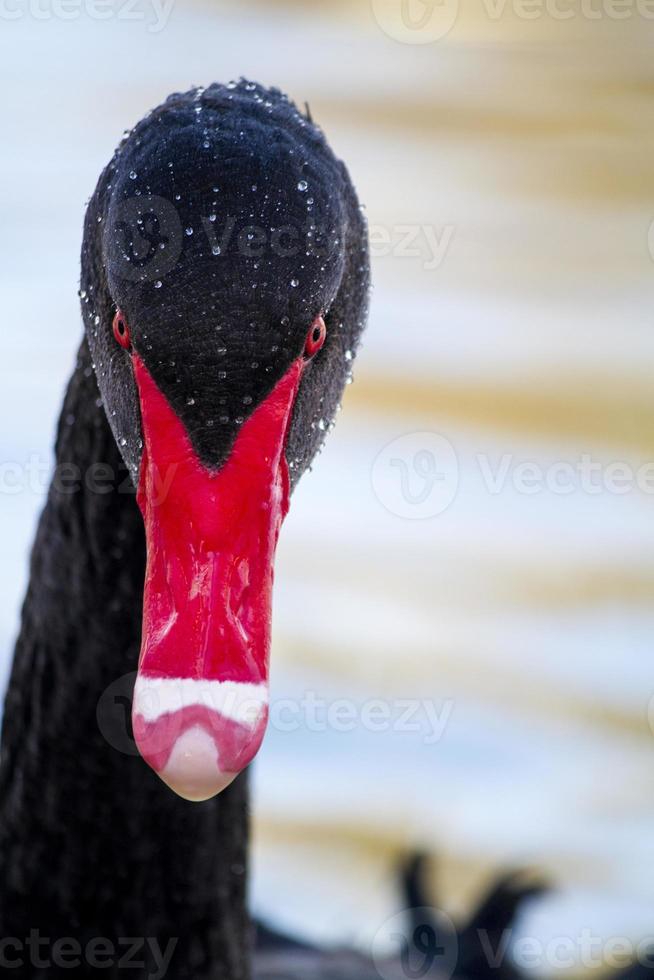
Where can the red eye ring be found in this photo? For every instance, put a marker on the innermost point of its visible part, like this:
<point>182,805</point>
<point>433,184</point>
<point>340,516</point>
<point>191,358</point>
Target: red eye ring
<point>315,337</point>
<point>121,330</point>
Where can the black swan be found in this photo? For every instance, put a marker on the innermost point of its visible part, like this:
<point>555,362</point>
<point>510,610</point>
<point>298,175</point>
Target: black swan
<point>224,289</point>
<point>430,947</point>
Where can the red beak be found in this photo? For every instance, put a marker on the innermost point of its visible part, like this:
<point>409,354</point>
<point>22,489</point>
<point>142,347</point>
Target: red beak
<point>201,697</point>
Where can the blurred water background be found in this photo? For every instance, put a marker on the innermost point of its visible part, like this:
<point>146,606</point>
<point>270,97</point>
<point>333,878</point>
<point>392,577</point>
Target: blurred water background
<point>506,167</point>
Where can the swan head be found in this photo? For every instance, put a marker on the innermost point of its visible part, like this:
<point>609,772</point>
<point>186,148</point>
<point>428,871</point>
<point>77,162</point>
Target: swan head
<point>224,290</point>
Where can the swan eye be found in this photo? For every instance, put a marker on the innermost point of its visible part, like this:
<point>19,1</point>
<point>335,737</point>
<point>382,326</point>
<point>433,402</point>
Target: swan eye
<point>315,337</point>
<point>121,330</point>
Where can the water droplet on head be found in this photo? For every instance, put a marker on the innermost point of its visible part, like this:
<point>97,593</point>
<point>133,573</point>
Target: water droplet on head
<point>302,185</point>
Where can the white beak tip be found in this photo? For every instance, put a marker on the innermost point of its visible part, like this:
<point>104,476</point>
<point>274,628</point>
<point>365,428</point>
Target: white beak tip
<point>192,770</point>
